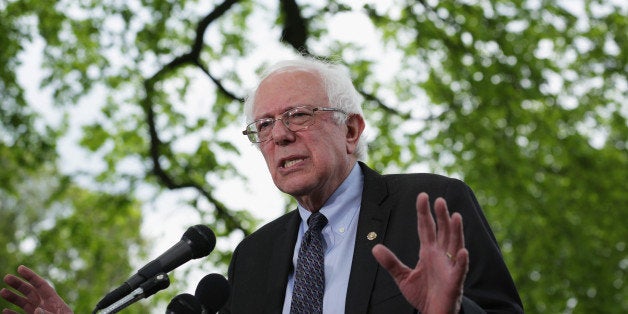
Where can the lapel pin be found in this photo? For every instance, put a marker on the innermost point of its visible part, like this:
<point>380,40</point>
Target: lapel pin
<point>371,236</point>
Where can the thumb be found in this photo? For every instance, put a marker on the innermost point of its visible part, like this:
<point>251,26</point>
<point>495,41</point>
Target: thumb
<point>389,261</point>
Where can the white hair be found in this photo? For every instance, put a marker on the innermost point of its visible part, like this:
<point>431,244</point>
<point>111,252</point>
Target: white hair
<point>338,85</point>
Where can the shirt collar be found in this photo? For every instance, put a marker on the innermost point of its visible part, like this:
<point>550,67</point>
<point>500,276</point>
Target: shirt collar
<point>342,206</point>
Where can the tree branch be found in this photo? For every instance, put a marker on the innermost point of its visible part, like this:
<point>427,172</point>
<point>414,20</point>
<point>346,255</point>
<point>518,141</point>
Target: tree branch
<point>295,29</point>
<point>190,58</point>
<point>382,105</point>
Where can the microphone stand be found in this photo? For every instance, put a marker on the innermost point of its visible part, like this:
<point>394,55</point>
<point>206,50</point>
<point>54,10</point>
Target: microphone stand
<point>145,290</point>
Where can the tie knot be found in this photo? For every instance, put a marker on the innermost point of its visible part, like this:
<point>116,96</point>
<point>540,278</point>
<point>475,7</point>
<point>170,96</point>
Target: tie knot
<point>317,221</point>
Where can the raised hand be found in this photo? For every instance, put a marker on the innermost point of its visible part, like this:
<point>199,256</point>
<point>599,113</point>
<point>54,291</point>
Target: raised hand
<point>38,297</point>
<point>435,285</point>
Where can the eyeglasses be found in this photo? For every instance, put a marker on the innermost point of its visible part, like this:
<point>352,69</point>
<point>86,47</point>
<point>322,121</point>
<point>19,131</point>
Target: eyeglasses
<point>295,119</point>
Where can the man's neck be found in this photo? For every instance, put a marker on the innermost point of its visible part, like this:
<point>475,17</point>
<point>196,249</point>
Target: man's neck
<point>315,201</point>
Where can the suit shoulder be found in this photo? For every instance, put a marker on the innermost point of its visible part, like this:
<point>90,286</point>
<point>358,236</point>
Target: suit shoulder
<point>410,184</point>
<point>422,179</point>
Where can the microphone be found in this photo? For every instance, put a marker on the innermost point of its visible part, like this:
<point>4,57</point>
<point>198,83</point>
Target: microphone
<point>184,304</point>
<point>213,291</point>
<point>211,294</point>
<point>197,241</point>
<point>146,289</point>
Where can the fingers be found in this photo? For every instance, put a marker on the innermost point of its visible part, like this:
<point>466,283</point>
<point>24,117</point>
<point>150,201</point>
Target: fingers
<point>390,262</point>
<point>44,289</point>
<point>425,222</point>
<point>9,295</point>
<point>461,266</point>
<point>16,299</point>
<point>30,297</point>
<point>29,291</point>
<point>456,235</point>
<point>446,232</point>
<point>443,223</point>
<point>23,287</point>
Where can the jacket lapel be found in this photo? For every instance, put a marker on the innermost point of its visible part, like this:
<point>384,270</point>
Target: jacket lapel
<point>372,225</point>
<point>281,263</point>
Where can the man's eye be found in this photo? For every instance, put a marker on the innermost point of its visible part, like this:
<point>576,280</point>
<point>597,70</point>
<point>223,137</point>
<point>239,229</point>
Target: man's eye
<point>263,125</point>
<point>300,113</point>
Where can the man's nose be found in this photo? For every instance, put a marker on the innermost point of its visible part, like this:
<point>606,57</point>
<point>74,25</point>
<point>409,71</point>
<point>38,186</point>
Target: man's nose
<point>281,134</point>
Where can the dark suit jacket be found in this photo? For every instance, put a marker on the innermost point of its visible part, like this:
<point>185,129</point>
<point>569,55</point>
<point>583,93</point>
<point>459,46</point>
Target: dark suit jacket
<point>259,270</point>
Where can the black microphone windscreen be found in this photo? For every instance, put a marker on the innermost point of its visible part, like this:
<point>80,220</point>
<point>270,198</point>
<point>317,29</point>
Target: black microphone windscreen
<point>197,241</point>
<point>184,303</point>
<point>201,239</point>
<point>213,291</point>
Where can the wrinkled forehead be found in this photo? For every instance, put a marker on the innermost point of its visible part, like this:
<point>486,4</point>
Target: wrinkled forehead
<point>292,77</point>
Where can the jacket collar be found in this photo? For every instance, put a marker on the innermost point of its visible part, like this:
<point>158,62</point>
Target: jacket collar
<point>372,225</point>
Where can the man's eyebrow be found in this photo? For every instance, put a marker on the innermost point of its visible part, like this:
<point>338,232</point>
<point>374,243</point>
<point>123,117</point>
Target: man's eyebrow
<point>268,115</point>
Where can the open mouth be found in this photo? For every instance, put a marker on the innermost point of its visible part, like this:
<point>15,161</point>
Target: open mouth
<point>291,162</point>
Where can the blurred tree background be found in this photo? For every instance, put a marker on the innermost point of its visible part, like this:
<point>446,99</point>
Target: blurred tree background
<point>526,101</point>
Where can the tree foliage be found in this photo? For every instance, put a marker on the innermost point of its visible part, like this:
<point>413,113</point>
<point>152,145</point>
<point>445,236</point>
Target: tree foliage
<point>524,100</point>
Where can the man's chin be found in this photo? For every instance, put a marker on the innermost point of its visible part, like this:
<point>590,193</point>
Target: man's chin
<point>293,187</point>
<point>294,192</point>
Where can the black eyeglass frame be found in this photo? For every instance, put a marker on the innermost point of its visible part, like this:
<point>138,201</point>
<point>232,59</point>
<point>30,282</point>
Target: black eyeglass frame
<point>251,128</point>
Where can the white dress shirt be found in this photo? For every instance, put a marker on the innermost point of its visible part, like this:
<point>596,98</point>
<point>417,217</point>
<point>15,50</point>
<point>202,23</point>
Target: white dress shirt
<point>341,210</point>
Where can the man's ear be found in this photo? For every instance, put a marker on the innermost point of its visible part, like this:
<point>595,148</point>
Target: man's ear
<point>355,126</point>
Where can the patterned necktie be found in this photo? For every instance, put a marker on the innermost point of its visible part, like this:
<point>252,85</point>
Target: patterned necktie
<point>309,279</point>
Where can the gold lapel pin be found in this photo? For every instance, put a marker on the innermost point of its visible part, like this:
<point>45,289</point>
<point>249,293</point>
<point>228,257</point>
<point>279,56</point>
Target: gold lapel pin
<point>371,236</point>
